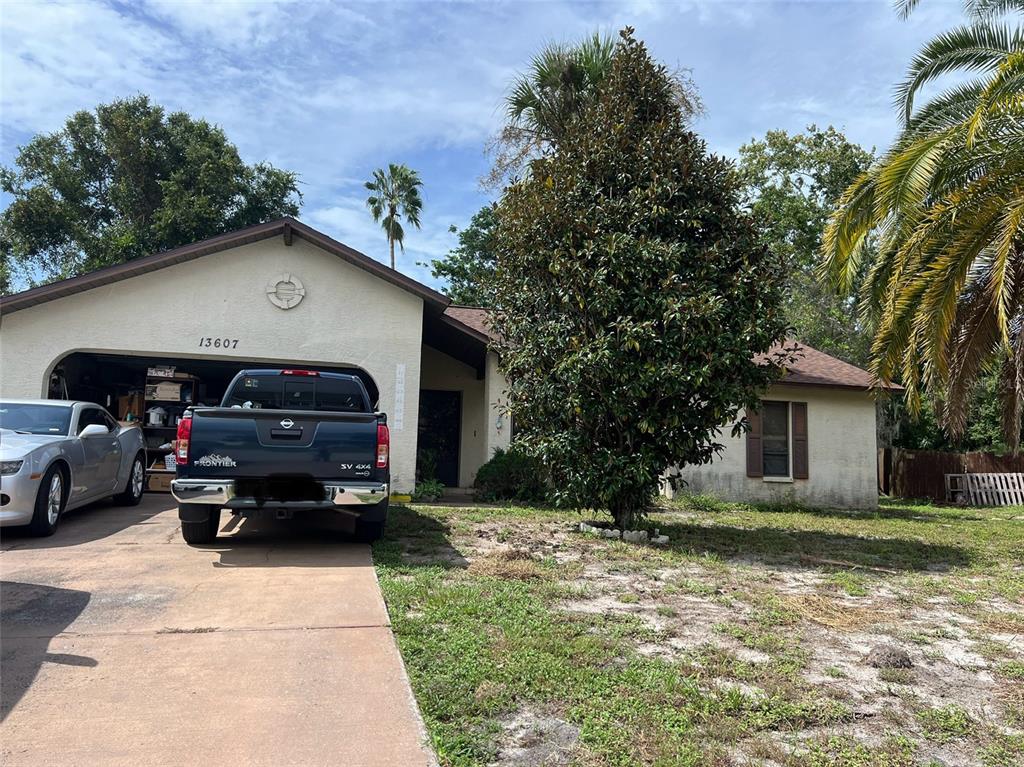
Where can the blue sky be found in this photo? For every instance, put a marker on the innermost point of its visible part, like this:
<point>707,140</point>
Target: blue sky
<point>334,90</point>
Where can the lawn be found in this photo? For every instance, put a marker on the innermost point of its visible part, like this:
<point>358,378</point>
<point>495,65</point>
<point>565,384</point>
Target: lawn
<point>744,641</point>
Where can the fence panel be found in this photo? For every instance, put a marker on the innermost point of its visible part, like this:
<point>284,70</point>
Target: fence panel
<point>922,473</point>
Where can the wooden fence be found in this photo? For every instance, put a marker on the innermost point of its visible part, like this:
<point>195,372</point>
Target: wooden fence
<point>922,473</point>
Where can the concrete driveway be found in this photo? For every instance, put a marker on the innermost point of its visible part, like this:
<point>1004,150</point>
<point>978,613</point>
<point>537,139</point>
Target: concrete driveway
<point>122,645</point>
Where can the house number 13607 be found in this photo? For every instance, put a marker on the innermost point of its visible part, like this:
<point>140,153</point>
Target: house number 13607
<point>219,343</point>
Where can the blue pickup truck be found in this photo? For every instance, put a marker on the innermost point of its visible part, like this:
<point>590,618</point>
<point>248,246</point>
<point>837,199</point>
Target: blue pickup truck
<point>281,442</point>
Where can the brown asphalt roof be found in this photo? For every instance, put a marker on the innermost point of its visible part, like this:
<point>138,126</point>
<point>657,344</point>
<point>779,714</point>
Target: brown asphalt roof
<point>811,367</point>
<point>287,227</point>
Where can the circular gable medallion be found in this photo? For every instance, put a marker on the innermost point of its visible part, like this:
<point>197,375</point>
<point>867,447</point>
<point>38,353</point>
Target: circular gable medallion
<point>285,291</point>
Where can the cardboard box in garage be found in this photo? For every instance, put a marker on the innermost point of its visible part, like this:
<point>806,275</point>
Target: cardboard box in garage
<point>165,390</point>
<point>130,403</point>
<point>159,483</point>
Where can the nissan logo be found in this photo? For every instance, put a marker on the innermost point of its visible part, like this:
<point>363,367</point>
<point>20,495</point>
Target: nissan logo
<point>287,423</point>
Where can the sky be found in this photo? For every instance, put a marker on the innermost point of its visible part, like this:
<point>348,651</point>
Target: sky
<point>333,90</point>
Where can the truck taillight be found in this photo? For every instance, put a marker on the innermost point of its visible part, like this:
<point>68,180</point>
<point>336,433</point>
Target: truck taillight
<point>299,373</point>
<point>181,443</point>
<point>383,445</point>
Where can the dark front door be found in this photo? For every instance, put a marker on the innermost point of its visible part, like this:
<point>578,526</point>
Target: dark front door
<point>437,453</point>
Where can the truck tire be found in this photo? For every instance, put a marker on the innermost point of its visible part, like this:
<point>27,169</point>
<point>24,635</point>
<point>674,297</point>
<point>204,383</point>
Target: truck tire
<point>370,527</point>
<point>368,532</point>
<point>202,531</point>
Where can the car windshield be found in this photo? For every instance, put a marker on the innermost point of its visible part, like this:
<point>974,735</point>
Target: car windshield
<point>35,419</point>
<point>283,392</point>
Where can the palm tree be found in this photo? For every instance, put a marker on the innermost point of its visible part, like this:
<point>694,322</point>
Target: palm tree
<point>395,195</point>
<point>946,206</point>
<point>561,81</point>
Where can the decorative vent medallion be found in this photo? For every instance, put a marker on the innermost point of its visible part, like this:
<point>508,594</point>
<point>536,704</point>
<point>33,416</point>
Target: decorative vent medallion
<point>285,291</point>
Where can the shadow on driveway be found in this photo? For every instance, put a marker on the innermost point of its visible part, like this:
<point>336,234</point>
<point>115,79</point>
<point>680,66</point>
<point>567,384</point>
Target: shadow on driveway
<point>89,523</point>
<point>30,616</point>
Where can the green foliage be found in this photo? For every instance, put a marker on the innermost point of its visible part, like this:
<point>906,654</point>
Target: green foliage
<point>124,181</point>
<point>511,475</point>
<point>792,183</point>
<point>468,269</point>
<point>632,296</point>
<point>561,83</point>
<point>428,490</point>
<point>946,723</point>
<point>395,195</point>
<point>945,285</point>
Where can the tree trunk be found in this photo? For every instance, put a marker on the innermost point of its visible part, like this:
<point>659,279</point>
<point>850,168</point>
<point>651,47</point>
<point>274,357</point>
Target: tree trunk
<point>625,518</point>
<point>392,244</point>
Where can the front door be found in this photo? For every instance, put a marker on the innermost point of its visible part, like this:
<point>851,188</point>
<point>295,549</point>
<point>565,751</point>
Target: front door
<point>437,452</point>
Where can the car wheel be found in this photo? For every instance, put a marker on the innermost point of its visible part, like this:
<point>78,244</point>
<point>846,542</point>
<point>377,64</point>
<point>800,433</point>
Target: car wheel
<point>50,501</point>
<point>201,531</point>
<point>136,486</point>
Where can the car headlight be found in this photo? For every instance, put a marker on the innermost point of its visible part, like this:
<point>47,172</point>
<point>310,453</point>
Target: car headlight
<point>10,467</point>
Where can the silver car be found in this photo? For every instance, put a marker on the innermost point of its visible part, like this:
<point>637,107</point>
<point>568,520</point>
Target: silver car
<point>57,455</point>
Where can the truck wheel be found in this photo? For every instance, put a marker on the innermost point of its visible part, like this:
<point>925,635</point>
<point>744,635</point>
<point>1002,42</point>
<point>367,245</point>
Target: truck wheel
<point>368,532</point>
<point>136,485</point>
<point>202,531</point>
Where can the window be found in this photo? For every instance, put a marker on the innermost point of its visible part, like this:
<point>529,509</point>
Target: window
<point>35,419</point>
<point>775,439</point>
<point>278,392</point>
<point>90,416</point>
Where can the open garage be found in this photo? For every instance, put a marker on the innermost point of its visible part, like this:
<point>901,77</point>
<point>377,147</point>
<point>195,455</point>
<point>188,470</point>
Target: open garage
<point>149,337</point>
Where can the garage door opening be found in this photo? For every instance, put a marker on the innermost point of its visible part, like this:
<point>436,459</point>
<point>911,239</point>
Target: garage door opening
<point>154,392</point>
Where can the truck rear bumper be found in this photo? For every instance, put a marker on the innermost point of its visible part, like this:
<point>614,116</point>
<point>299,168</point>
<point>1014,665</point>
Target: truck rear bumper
<point>221,493</point>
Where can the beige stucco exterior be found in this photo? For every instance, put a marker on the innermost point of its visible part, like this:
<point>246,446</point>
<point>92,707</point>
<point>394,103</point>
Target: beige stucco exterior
<point>348,317</point>
<point>841,450</point>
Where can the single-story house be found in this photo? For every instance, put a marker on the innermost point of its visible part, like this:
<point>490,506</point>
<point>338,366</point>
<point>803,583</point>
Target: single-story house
<point>812,442</point>
<point>151,336</point>
<point>179,324</point>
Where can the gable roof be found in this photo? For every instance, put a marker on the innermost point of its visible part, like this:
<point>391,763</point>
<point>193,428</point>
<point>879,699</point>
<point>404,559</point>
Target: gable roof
<point>283,227</point>
<point>815,368</point>
<point>810,368</point>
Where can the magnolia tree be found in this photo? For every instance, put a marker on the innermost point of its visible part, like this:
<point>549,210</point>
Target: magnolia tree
<point>632,296</point>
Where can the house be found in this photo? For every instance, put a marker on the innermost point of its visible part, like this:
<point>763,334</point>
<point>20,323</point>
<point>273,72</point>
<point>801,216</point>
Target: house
<point>812,442</point>
<point>179,324</point>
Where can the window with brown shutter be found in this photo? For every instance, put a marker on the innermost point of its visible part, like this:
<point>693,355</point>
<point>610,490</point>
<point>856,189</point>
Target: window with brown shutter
<point>777,441</point>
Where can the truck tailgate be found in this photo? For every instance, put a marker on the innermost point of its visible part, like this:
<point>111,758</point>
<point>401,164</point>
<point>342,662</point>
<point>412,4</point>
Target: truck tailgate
<point>240,442</point>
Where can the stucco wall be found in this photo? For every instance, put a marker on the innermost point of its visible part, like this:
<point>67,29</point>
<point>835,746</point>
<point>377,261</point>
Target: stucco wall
<point>841,452</point>
<point>499,427</point>
<point>441,372</point>
<point>347,318</point>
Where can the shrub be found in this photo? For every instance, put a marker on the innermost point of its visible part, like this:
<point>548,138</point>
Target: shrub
<point>511,476</point>
<point>428,490</point>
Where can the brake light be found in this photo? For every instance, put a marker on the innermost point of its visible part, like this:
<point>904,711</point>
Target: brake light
<point>181,443</point>
<point>383,445</point>
<point>299,373</point>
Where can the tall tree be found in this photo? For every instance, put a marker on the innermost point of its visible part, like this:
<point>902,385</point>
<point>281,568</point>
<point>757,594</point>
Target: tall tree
<point>468,270</point>
<point>632,295</point>
<point>792,183</point>
<point>127,180</point>
<point>947,202</point>
<point>560,83</point>
<point>395,195</point>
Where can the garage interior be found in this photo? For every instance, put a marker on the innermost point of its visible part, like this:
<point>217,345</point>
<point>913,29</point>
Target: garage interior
<point>154,392</point>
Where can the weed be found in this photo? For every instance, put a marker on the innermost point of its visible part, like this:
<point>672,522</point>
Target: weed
<point>945,723</point>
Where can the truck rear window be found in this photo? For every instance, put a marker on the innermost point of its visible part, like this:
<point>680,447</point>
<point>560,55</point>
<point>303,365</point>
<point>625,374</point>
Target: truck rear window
<point>281,392</point>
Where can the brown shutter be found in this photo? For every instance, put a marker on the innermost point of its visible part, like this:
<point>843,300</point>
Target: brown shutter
<point>755,461</point>
<point>801,466</point>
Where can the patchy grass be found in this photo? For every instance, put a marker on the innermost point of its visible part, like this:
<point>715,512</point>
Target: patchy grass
<point>742,642</point>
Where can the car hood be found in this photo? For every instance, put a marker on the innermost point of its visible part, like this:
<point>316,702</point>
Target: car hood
<point>14,445</point>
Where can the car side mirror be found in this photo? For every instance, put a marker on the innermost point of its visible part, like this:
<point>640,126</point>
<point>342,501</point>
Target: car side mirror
<point>94,430</point>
